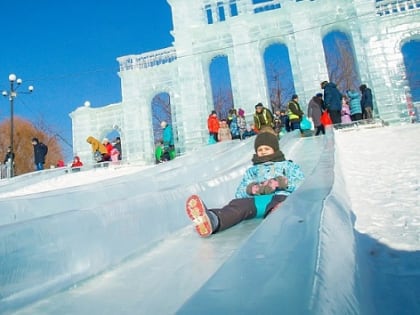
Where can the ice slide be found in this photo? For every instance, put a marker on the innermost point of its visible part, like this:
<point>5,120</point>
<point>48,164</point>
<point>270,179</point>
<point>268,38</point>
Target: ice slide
<point>125,246</point>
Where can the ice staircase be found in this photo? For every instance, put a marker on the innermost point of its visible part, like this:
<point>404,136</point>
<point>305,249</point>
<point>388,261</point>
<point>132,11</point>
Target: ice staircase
<point>126,246</point>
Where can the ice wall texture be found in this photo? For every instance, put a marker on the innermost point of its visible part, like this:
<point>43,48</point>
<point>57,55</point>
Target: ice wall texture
<point>242,31</point>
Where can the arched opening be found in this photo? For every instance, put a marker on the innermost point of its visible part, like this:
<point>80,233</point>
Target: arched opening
<point>411,52</point>
<point>279,75</point>
<point>221,86</point>
<point>161,112</point>
<point>341,65</point>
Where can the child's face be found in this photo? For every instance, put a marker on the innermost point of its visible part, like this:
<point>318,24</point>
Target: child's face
<point>264,150</point>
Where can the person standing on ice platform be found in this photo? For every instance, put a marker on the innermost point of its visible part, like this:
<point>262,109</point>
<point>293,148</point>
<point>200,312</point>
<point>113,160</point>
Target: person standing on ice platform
<point>40,152</point>
<point>264,186</point>
<point>332,101</point>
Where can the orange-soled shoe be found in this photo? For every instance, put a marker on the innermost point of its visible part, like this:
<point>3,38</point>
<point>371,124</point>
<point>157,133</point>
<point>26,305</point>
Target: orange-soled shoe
<point>197,212</point>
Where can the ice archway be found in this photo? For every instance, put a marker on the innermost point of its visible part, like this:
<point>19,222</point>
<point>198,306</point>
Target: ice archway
<point>241,30</point>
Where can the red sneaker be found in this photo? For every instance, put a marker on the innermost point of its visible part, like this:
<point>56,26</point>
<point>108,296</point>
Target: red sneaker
<point>197,212</point>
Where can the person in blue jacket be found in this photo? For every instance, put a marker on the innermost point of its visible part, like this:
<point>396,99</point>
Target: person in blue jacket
<point>168,141</point>
<point>264,186</point>
<point>332,101</point>
<point>355,107</point>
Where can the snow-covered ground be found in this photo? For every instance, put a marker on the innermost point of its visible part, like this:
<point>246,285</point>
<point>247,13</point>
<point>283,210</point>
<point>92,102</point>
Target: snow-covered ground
<point>72,179</point>
<point>382,173</point>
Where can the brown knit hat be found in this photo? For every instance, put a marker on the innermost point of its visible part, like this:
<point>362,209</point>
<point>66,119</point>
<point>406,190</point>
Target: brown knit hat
<point>267,138</point>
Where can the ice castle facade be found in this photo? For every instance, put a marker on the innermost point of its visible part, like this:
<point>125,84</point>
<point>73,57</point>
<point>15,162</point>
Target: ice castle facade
<point>242,30</point>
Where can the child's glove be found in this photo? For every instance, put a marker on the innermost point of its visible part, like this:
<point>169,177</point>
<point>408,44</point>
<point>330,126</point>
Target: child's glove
<point>267,187</point>
<point>279,182</point>
<point>252,189</point>
<point>259,189</point>
<point>282,182</point>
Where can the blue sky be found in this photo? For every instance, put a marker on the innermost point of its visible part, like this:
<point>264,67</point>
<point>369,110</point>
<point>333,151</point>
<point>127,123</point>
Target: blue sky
<point>67,50</point>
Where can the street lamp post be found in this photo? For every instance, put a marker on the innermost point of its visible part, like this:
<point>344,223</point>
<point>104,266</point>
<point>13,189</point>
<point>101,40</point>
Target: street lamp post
<point>14,85</point>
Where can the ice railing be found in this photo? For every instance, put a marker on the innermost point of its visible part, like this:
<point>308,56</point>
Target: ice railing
<point>388,7</point>
<point>147,60</point>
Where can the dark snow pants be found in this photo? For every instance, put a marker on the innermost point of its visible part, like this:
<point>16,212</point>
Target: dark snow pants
<point>335,116</point>
<point>238,210</point>
<point>320,129</point>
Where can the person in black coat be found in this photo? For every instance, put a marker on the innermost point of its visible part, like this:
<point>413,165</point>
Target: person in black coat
<point>10,158</point>
<point>332,101</point>
<point>40,151</point>
<point>9,155</point>
<point>366,102</point>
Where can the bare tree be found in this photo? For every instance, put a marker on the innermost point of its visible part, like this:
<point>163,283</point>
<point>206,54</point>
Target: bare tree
<point>161,111</point>
<point>341,65</point>
<point>221,86</point>
<point>53,133</point>
<point>23,149</point>
<point>223,101</point>
<point>280,85</point>
<point>412,66</point>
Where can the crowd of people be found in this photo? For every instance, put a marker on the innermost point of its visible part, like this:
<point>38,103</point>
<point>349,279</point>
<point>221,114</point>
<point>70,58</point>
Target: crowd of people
<point>102,151</point>
<point>329,107</point>
<point>105,151</point>
<point>348,106</point>
<point>236,127</point>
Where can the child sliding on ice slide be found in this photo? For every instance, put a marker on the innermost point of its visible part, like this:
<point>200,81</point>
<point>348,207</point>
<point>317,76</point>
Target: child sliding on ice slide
<point>264,186</point>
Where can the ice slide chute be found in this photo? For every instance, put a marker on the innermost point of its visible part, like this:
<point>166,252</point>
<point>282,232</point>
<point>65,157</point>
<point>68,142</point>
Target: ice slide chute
<point>138,246</point>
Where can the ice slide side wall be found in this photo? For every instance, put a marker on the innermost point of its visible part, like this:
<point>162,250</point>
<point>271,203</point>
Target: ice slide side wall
<point>47,250</point>
<point>300,261</point>
<point>306,266</point>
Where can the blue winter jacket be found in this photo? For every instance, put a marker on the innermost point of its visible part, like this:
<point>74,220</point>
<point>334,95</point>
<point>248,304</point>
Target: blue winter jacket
<point>355,107</point>
<point>261,172</point>
<point>366,100</point>
<point>332,97</point>
<point>234,127</point>
<point>167,137</point>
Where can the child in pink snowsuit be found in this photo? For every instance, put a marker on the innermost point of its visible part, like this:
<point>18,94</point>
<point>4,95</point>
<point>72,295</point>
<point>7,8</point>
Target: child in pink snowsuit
<point>114,156</point>
<point>345,112</point>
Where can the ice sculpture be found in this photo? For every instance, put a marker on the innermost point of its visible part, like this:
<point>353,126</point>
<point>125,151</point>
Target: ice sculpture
<point>242,30</point>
